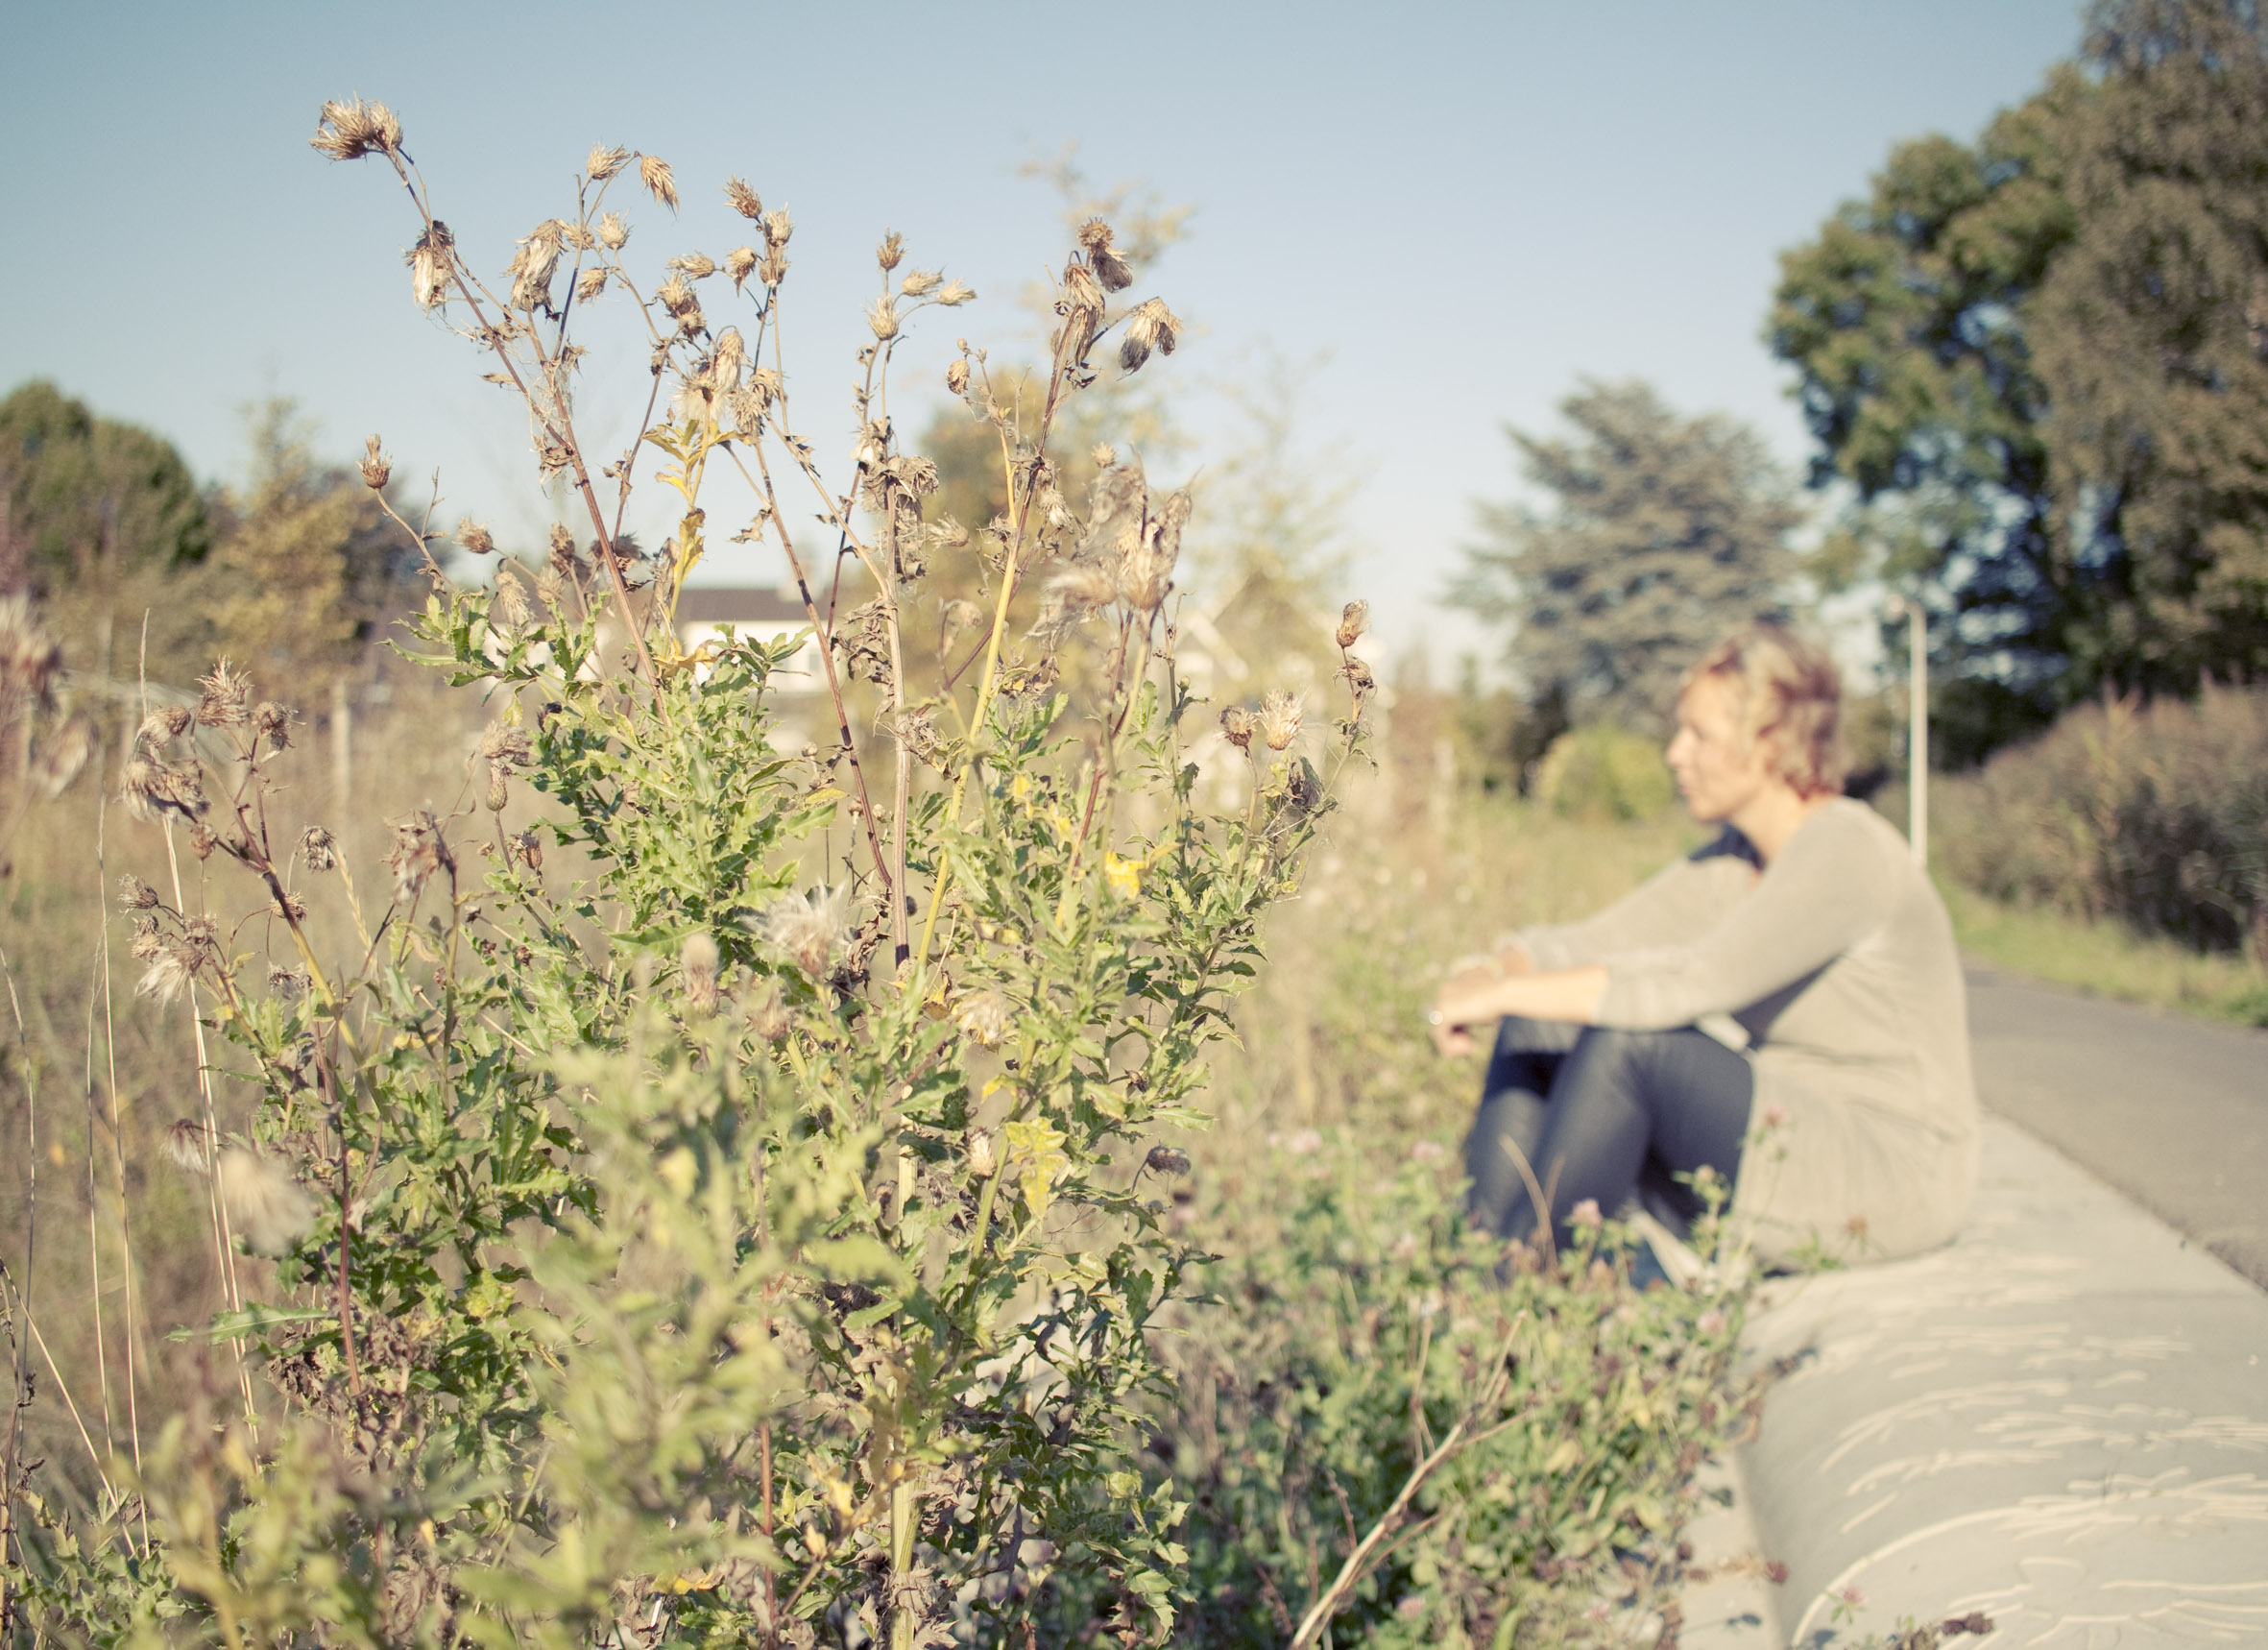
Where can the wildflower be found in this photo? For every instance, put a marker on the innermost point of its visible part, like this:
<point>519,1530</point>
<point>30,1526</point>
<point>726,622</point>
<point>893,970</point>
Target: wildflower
<point>1151,326</point>
<point>881,319</point>
<point>981,1159</point>
<point>740,264</point>
<point>956,376</point>
<point>1428,1152</point>
<point>605,162</point>
<point>1304,1143</point>
<point>1102,255</point>
<point>1279,718</point>
<point>1237,727</point>
<point>743,199</point>
<point>476,537</point>
<point>984,1018</point>
<point>135,894</point>
<point>1585,1213</point>
<point>377,468</point>
<point>189,1144</point>
<point>811,927</point>
<point>429,261</point>
<point>1710,1322</point>
<point>227,690</point>
<point>171,968</point>
<point>1165,1160</point>
<point>654,172</point>
<point>272,1210</point>
<point>956,294</point>
<point>1352,622</point>
<point>1125,876</point>
<point>613,233</point>
<point>891,253</point>
<point>1851,1595</point>
<point>1775,1115</point>
<point>697,963</point>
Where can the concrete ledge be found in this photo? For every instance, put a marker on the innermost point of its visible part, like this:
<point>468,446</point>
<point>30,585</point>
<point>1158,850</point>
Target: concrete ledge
<point>2060,1420</point>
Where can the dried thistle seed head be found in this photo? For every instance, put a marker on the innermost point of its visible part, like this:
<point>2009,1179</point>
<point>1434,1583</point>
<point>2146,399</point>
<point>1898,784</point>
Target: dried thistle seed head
<point>152,789</point>
<point>956,376</point>
<point>349,131</point>
<point>773,270</point>
<point>891,253</point>
<point>606,161</point>
<point>268,1208</point>
<point>956,293</point>
<point>578,235</point>
<point>1080,290</point>
<point>503,741</point>
<point>202,839</point>
<point>429,261</point>
<point>534,262</point>
<point>551,587</point>
<point>984,1018</point>
<point>768,1015</point>
<point>63,755</point>
<point>320,849</point>
<point>778,226</point>
<point>743,199</point>
<point>225,699</point>
<point>961,614</point>
<point>613,233</point>
<point>881,319</point>
<point>1144,575</point>
<point>726,362</point>
<point>1165,1160</point>
<point>287,981</point>
<point>499,788</point>
<point>676,296</point>
<point>1104,455</point>
<point>811,928</point>
<point>660,183</point>
<point>1352,622</point>
<point>187,1144</point>
<point>476,537</point>
<point>1279,718</point>
<point>166,723</point>
<point>30,658</point>
<point>171,969</point>
<point>740,264</point>
<point>1236,727</point>
<point>1151,326</point>
<point>528,848</point>
<point>290,906</point>
<point>272,723</point>
<point>377,468</point>
<point>920,283</point>
<point>511,603</point>
<point>589,284</point>
<point>697,964</point>
<point>982,1158</point>
<point>135,894</point>
<point>694,265</point>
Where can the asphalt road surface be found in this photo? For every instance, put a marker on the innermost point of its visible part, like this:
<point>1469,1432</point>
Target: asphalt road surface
<point>2171,1112</point>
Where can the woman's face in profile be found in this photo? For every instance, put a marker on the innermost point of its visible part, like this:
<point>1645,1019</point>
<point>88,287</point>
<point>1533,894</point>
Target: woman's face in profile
<point>1718,767</point>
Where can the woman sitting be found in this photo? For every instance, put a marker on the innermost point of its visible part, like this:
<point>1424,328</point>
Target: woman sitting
<point>1831,1086</point>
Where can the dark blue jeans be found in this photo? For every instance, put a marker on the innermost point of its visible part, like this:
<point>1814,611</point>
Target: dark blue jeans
<point>1600,1114</point>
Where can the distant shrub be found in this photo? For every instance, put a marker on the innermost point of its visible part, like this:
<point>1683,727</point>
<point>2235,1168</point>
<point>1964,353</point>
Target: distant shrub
<point>1602,772</point>
<point>2156,815</point>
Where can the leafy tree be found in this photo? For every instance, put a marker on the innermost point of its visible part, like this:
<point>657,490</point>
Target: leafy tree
<point>79,493</point>
<point>2034,361</point>
<point>1662,533</point>
<point>2152,328</point>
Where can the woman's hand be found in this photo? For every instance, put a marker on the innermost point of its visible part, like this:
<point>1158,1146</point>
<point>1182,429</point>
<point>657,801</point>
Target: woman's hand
<point>1466,997</point>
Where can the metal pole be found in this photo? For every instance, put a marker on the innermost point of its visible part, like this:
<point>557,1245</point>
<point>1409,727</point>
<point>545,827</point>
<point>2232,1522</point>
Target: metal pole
<point>1918,733</point>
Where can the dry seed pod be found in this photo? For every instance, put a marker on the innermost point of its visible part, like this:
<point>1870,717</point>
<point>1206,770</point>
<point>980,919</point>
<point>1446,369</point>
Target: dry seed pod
<point>660,183</point>
<point>377,468</point>
<point>1279,718</point>
<point>1352,622</point>
<point>743,199</point>
<point>1236,727</point>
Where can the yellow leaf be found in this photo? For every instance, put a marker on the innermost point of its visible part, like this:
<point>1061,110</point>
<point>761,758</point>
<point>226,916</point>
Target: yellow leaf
<point>1036,1152</point>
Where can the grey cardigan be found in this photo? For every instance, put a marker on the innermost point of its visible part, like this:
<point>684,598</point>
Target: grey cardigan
<point>1838,962</point>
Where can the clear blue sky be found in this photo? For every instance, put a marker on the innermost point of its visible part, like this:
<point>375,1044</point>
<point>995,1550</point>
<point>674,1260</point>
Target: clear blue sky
<point>1457,209</point>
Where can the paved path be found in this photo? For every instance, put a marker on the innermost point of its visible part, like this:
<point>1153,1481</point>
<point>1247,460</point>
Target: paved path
<point>2062,1417</point>
<point>2169,1111</point>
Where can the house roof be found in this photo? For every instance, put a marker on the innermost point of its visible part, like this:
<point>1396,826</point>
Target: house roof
<point>737,604</point>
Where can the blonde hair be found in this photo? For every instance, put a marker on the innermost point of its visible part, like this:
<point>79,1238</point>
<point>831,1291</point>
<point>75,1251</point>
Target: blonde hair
<point>1788,694</point>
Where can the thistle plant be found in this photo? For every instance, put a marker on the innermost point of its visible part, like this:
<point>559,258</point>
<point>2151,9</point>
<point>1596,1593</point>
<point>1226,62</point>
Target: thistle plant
<point>714,1182</point>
